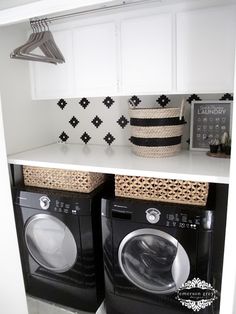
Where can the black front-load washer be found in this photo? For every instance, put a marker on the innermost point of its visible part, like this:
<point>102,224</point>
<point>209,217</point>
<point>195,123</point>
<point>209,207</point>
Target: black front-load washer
<point>59,237</point>
<point>150,250</point>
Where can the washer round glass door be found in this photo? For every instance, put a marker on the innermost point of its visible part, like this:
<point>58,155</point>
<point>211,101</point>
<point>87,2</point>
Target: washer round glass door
<point>50,243</point>
<point>154,261</point>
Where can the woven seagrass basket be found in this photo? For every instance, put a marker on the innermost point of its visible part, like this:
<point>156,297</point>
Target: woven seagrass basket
<point>163,190</point>
<point>67,180</point>
<point>156,132</point>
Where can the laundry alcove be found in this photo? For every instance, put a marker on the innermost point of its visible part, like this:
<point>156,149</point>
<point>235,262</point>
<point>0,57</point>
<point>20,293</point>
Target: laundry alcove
<point>32,121</point>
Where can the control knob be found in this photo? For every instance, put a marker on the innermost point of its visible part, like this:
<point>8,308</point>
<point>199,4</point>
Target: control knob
<point>153,215</point>
<point>44,202</point>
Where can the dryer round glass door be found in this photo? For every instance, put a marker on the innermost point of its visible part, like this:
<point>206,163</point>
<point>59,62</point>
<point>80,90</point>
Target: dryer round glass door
<point>50,243</point>
<point>154,261</point>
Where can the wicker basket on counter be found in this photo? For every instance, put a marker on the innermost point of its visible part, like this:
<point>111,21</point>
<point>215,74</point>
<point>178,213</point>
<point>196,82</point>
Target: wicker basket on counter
<point>163,190</point>
<point>67,180</point>
<point>156,132</point>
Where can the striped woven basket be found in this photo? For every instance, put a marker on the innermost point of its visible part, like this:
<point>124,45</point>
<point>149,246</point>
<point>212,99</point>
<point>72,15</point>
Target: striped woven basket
<point>156,132</point>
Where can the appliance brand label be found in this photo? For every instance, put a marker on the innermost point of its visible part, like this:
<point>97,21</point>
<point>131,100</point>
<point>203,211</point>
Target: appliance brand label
<point>196,294</point>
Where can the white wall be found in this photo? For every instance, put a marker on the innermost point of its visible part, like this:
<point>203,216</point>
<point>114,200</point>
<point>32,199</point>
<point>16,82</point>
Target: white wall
<point>60,118</point>
<point>27,123</point>
<point>12,294</point>
<point>228,294</point>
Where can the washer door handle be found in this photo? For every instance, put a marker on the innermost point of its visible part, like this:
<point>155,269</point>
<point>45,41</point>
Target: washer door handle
<point>180,267</point>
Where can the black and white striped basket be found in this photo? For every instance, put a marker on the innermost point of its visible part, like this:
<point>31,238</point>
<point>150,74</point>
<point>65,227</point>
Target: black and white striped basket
<point>156,132</point>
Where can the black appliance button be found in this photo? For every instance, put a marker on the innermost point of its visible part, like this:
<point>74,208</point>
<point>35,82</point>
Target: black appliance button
<point>171,217</point>
<point>177,218</point>
<point>184,218</point>
<point>44,202</point>
<point>153,215</point>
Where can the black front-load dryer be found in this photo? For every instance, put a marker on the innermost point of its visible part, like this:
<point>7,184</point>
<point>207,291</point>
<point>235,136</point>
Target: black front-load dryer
<point>60,243</point>
<point>150,250</point>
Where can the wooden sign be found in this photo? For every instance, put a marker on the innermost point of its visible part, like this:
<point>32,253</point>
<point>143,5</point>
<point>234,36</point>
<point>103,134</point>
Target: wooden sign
<point>209,120</point>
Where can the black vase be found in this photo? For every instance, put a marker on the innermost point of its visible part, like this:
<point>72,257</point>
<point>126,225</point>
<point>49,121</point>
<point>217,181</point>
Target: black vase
<point>222,148</point>
<point>214,148</point>
<point>227,150</point>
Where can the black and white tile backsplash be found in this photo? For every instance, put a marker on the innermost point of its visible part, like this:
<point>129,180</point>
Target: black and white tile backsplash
<point>105,120</point>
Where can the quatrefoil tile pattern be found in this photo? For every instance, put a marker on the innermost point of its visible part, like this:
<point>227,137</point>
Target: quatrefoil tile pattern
<point>134,101</point>
<point>73,121</point>
<point>84,102</point>
<point>96,122</point>
<point>109,138</point>
<point>62,103</point>
<point>163,101</point>
<point>108,102</point>
<point>122,122</point>
<point>227,96</point>
<point>193,97</point>
<point>85,137</point>
<point>63,137</point>
<point>105,120</point>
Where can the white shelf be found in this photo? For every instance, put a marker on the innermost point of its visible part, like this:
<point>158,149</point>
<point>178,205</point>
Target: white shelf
<point>187,165</point>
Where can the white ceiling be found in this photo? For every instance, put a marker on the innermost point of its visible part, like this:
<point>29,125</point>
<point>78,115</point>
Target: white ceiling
<point>7,4</point>
<point>16,11</point>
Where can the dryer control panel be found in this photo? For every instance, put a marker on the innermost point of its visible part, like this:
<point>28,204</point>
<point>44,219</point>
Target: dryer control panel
<point>57,202</point>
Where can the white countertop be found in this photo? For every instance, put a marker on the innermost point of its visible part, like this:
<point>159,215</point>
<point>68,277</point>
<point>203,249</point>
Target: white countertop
<point>187,165</point>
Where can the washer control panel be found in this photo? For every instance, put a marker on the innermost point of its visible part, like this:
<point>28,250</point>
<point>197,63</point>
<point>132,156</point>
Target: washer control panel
<point>183,220</point>
<point>153,215</point>
<point>180,219</point>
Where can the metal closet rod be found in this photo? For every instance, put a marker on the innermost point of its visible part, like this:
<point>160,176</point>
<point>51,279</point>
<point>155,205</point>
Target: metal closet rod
<point>108,8</point>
